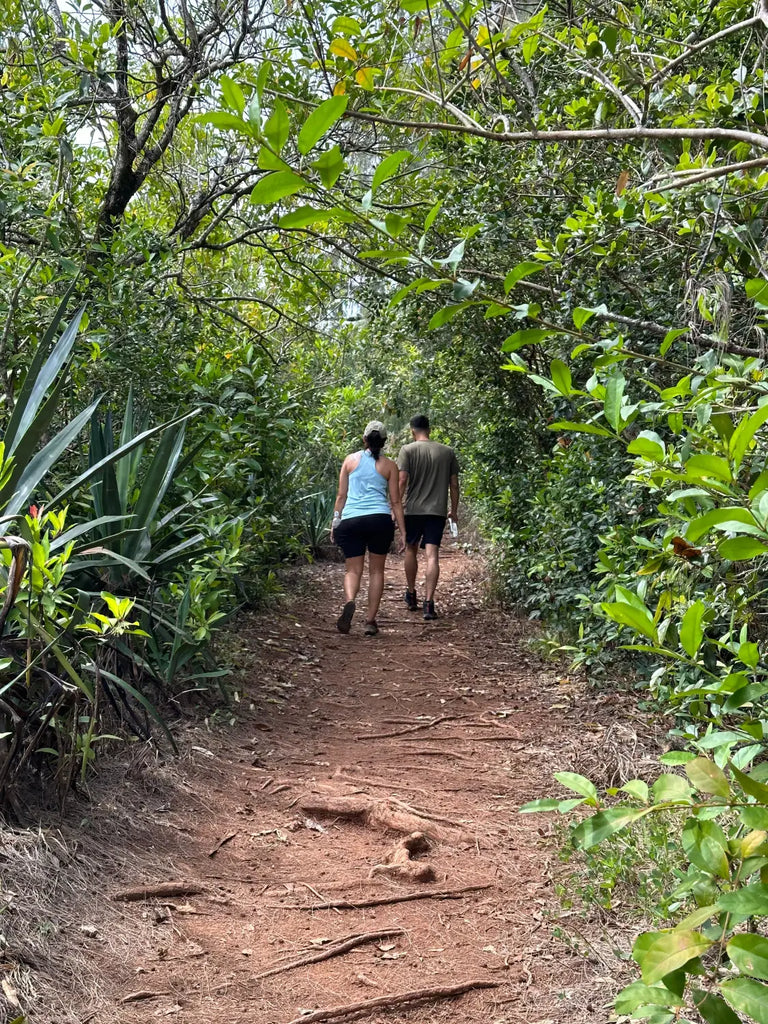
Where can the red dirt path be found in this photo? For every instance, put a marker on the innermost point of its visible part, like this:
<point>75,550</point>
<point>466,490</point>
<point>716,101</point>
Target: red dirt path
<point>311,716</point>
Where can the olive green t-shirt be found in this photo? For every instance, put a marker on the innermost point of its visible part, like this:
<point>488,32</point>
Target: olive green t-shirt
<point>430,466</point>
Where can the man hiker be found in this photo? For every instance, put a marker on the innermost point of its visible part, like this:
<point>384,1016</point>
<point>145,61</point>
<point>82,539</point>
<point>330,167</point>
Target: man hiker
<point>428,471</point>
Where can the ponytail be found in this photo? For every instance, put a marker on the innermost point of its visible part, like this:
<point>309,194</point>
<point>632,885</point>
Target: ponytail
<point>375,443</point>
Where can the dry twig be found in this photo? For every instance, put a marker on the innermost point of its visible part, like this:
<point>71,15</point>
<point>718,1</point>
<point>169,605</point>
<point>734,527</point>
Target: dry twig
<point>149,891</point>
<point>381,901</point>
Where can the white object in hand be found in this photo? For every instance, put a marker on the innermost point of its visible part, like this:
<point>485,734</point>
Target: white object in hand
<point>453,526</point>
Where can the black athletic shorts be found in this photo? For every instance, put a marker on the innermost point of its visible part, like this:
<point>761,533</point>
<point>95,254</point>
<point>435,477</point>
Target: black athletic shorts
<point>424,530</point>
<point>375,533</point>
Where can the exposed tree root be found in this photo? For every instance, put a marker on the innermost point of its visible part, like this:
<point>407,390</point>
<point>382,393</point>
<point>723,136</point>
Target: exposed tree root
<point>382,901</point>
<point>380,814</point>
<point>410,729</point>
<point>335,949</point>
<point>401,866</point>
<point>368,1005</point>
<point>148,892</point>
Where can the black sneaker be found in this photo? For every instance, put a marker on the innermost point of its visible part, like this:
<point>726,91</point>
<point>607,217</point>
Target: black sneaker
<point>344,621</point>
<point>429,610</point>
<point>371,629</point>
<point>411,600</point>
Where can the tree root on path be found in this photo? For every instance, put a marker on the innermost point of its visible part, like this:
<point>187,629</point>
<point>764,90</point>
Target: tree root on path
<point>150,890</point>
<point>382,901</point>
<point>382,814</point>
<point>400,864</point>
<point>417,996</point>
<point>338,947</point>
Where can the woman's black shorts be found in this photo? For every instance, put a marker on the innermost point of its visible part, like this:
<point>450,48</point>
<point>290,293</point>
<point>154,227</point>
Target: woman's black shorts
<point>375,533</point>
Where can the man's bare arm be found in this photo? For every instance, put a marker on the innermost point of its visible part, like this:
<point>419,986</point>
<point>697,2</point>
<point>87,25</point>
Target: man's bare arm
<point>453,486</point>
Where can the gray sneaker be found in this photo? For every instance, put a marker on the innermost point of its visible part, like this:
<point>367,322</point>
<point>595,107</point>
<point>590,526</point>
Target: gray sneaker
<point>429,610</point>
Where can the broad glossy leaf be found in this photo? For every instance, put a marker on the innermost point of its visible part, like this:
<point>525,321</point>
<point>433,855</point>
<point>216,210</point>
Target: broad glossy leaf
<point>528,336</point>
<point>594,830</point>
<point>708,466</point>
<point>704,846</point>
<point>561,376</point>
<point>389,166</point>
<point>522,270</point>
<point>278,126</point>
<point>614,394</point>
<point>707,521</point>
<point>628,615</point>
<point>640,994</point>
<point>578,783</point>
<point>741,549</point>
<point>669,951</point>
<point>748,997</point>
<point>227,122</point>
<point>276,186</point>
<point>713,1009</point>
<point>442,316</point>
<point>745,432</point>
<point>320,121</point>
<point>581,428</point>
<point>340,47</point>
<point>751,786</point>
<point>671,789</point>
<point>750,901</point>
<point>691,629</point>
<point>750,954</point>
<point>707,777</point>
<point>329,166</point>
<point>233,94</point>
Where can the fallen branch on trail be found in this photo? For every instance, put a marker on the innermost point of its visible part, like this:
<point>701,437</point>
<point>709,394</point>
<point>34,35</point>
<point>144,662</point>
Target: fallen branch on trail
<point>158,889</point>
<point>380,814</point>
<point>400,864</point>
<point>135,997</point>
<point>336,949</point>
<point>417,996</point>
<point>382,901</point>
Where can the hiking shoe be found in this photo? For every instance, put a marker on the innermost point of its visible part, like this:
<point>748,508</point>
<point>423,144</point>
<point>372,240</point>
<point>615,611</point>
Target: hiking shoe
<point>429,610</point>
<point>371,629</point>
<point>344,621</point>
<point>411,600</point>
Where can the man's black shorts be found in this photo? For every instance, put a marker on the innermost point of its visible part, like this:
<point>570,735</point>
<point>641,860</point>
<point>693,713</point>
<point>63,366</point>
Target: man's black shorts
<point>424,530</point>
<point>375,533</point>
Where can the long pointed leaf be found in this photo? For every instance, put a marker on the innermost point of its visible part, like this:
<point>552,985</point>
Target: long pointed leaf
<point>41,354</point>
<point>40,465</point>
<point>49,371</point>
<point>124,467</point>
<point>145,703</point>
<point>82,528</point>
<point>156,482</point>
<point>118,454</point>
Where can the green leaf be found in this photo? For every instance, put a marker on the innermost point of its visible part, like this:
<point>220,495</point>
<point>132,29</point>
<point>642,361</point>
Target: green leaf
<point>233,94</point>
<point>594,830</point>
<point>751,786</point>
<point>614,394</point>
<point>321,121</point>
<point>704,846</point>
<point>636,788</point>
<point>581,428</point>
<point>524,269</point>
<point>707,777</point>
<point>677,757</point>
<point>388,166</point>
<point>528,336</point>
<point>691,629</point>
<point>227,122</point>
<point>670,337</point>
<point>704,466</point>
<point>275,186</point>
<point>442,316</point>
<point>581,315</point>
<point>340,48</point>
<point>561,377</point>
<point>713,1009</point>
<point>330,166</point>
<point>627,615</point>
<point>757,290</point>
<point>671,789</point>
<point>748,997</point>
<point>578,783</point>
<point>734,514</point>
<point>649,445</point>
<point>750,954</point>
<point>740,549</point>
<point>751,901</point>
<point>640,994</point>
<point>668,952</point>
<point>745,432</point>
<point>278,126</point>
<point>429,220</point>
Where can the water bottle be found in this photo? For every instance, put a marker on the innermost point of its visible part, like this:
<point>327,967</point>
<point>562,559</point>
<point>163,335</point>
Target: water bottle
<point>453,526</point>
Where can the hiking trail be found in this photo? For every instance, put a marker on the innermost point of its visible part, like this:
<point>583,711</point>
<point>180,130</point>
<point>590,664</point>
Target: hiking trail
<point>349,848</point>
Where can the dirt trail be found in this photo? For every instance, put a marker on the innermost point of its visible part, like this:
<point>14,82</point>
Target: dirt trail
<point>443,728</point>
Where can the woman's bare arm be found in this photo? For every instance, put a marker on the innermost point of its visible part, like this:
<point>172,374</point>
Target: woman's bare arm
<point>396,502</point>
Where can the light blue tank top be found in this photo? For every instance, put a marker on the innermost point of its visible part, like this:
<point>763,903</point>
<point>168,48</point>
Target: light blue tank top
<point>367,490</point>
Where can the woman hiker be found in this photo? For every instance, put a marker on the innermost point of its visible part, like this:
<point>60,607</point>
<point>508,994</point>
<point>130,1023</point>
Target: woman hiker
<point>362,519</point>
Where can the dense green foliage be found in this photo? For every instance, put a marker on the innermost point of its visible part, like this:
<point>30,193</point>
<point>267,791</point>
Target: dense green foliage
<point>544,226</point>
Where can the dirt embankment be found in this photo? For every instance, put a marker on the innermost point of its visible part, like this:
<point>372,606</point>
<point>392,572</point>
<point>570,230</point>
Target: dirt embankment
<point>349,843</point>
